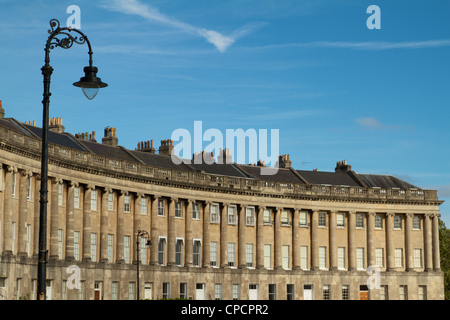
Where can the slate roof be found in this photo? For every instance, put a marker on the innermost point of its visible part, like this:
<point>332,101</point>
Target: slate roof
<point>283,175</point>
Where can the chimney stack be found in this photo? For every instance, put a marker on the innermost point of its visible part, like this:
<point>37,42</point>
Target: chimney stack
<point>342,166</point>
<point>2,111</point>
<point>86,136</point>
<point>146,146</point>
<point>166,147</point>
<point>110,138</point>
<point>284,161</point>
<point>224,156</point>
<point>56,125</point>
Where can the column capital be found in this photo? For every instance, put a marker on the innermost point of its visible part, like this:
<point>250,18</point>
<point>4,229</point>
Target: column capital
<point>73,184</point>
<point>390,214</point>
<point>25,173</point>
<point>173,198</point>
<point>371,213</point>
<point>56,180</point>
<point>11,168</point>
<point>123,192</point>
<point>139,195</point>
<point>409,215</point>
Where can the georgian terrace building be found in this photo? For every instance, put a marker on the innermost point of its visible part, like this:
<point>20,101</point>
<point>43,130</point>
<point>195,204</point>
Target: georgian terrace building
<point>219,231</point>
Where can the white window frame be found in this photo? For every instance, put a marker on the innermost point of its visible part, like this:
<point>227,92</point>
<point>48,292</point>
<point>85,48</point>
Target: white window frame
<point>94,196</point>
<point>214,254</point>
<point>303,218</point>
<point>162,250</point>
<point>286,257</point>
<point>417,258</point>
<point>110,250</point>
<point>267,217</point>
<point>29,187</point>
<point>250,216</point>
<point>161,207</point>
<point>379,257</point>
<point>214,216</point>
<point>268,256</point>
<point>60,194</point>
<point>110,201</point>
<point>127,248</point>
<point>304,257</point>
<point>232,254</point>
<point>127,203</point>
<point>76,245</point>
<point>399,257</point>
<point>178,209</point>
<point>341,258</point>
<point>378,222</point>
<point>60,243</point>
<point>196,211</point>
<point>179,250</point>
<point>360,259</point>
<point>323,258</point>
<point>76,197</point>
<point>340,220</point>
<point>197,256</point>
<point>359,221</point>
<point>232,215</point>
<point>249,255</point>
<point>144,205</point>
<point>93,246</point>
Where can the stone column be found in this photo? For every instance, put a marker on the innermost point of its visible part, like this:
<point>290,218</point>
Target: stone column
<point>408,243</point>
<point>296,240</point>
<point>7,223</point>
<point>188,236</point>
<point>277,239</point>
<point>171,241</point>
<point>136,225</point>
<point>87,223</point>
<point>371,239</point>
<point>104,225</point>
<point>351,241</point>
<point>332,241</point>
<point>427,233</point>
<point>206,234</point>
<point>436,257</point>
<point>242,263</point>
<point>70,205</point>
<point>154,230</point>
<point>314,240</point>
<point>54,215</point>
<point>36,204</point>
<point>120,226</point>
<point>224,236</point>
<point>390,251</point>
<point>260,238</point>
<point>23,213</point>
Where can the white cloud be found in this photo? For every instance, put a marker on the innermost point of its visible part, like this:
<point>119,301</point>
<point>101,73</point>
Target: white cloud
<point>365,45</point>
<point>135,7</point>
<point>373,124</point>
<point>369,123</point>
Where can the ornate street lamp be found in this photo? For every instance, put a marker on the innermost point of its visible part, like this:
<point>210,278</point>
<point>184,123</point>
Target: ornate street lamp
<point>140,233</point>
<point>90,85</point>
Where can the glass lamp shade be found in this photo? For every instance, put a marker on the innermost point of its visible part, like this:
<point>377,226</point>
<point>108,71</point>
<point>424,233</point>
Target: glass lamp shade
<point>90,83</point>
<point>90,93</point>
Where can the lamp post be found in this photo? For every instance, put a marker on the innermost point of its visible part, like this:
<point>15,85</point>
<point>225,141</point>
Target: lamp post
<point>140,233</point>
<point>90,85</point>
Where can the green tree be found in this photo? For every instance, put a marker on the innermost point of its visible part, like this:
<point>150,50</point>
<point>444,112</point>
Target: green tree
<point>444,247</point>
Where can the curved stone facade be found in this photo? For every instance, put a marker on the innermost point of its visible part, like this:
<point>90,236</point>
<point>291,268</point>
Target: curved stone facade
<point>219,231</point>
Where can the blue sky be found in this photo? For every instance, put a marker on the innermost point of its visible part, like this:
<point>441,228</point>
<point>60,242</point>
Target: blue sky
<point>310,68</point>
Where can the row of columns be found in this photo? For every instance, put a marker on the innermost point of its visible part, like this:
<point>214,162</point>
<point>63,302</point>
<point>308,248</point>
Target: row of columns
<point>430,232</point>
